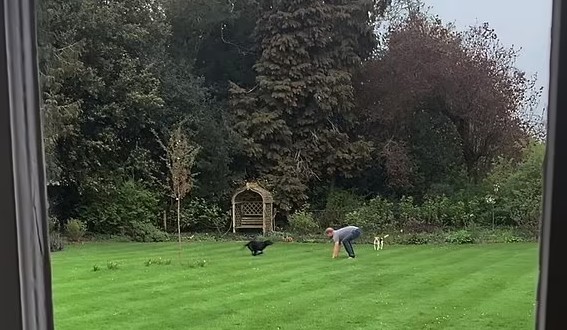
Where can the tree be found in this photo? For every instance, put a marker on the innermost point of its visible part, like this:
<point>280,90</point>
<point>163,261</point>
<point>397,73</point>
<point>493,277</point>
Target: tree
<point>112,72</point>
<point>63,78</point>
<point>519,188</point>
<point>180,158</point>
<point>99,81</point>
<point>210,43</point>
<point>108,79</point>
<point>188,99</point>
<point>464,84</point>
<point>296,124</point>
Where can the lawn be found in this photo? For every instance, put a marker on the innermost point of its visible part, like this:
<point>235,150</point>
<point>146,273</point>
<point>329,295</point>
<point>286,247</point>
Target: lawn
<point>295,286</point>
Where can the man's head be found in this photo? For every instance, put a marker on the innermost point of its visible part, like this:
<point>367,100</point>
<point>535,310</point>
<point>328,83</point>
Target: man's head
<point>329,232</point>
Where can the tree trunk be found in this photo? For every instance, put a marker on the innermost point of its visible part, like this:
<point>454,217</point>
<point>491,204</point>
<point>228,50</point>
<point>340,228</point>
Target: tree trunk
<point>493,224</point>
<point>179,222</point>
<point>165,221</point>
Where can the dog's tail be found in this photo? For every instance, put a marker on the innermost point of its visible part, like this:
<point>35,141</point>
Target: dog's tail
<point>386,235</point>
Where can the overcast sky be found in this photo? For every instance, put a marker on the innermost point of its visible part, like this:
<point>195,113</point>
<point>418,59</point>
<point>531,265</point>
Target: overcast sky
<point>522,23</point>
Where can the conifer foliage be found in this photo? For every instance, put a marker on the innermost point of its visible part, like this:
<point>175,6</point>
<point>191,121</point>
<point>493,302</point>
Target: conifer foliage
<point>295,123</point>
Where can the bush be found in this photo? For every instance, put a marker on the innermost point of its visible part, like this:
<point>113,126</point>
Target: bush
<point>500,235</point>
<point>408,212</point>
<point>302,222</point>
<point>460,237</point>
<point>126,208</point>
<point>373,217</point>
<point>146,232</point>
<point>198,215</point>
<point>437,212</point>
<point>277,236</point>
<point>416,239</point>
<point>75,230</point>
<point>56,242</point>
<point>339,203</point>
<point>518,190</point>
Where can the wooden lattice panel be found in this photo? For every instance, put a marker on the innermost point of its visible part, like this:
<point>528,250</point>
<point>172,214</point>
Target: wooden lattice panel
<point>252,208</point>
<point>248,196</point>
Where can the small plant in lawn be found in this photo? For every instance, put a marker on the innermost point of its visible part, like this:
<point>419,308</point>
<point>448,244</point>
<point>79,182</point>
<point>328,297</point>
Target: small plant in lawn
<point>112,265</point>
<point>195,264</point>
<point>96,268</point>
<point>158,261</point>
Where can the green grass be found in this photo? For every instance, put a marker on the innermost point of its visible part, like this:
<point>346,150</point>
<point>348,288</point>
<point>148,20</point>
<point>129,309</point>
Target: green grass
<point>295,286</point>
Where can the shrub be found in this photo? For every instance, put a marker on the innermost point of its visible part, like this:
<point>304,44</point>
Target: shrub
<point>126,208</point>
<point>500,235</point>
<point>339,203</point>
<point>518,189</point>
<point>512,239</point>
<point>56,242</point>
<point>303,222</point>
<point>408,212</point>
<point>416,239</point>
<point>374,216</point>
<point>198,215</point>
<point>460,237</point>
<point>96,268</point>
<point>146,232</point>
<point>276,236</point>
<point>75,230</point>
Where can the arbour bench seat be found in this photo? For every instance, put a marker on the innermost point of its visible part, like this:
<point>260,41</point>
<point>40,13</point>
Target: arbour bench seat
<point>251,222</point>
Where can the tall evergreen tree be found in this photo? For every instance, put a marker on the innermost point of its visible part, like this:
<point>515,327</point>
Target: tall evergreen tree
<point>296,124</point>
<point>100,66</point>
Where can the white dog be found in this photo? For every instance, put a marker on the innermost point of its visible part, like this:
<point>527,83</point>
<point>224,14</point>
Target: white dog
<point>379,242</point>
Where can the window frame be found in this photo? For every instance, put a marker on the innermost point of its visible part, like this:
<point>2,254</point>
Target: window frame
<point>26,299</point>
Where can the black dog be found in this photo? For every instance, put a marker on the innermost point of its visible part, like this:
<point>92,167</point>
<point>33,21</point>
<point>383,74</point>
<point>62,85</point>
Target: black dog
<point>257,247</point>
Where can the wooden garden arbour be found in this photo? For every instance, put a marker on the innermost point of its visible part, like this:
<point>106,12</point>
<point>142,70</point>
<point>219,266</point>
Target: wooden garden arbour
<point>253,207</point>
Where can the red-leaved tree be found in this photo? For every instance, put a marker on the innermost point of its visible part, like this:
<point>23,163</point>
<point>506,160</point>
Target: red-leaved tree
<point>468,77</point>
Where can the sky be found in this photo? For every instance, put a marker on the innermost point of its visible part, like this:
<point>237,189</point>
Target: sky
<point>521,23</point>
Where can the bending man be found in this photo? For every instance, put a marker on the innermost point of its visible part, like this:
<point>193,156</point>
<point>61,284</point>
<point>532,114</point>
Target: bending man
<point>343,236</point>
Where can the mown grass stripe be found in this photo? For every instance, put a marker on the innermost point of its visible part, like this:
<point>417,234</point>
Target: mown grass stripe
<point>295,286</point>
